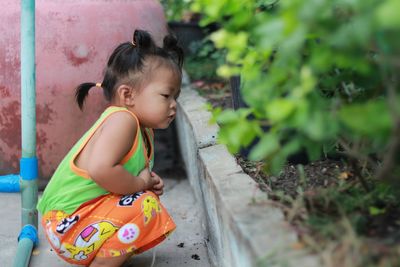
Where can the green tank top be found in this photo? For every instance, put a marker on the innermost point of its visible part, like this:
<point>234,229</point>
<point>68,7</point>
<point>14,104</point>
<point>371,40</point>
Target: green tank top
<point>71,186</point>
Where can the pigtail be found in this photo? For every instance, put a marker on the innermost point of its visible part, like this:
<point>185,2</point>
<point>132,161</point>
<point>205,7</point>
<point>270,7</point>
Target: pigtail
<point>170,45</point>
<point>81,92</point>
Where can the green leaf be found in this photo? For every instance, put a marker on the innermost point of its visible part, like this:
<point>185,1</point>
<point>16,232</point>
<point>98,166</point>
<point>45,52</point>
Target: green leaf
<point>227,116</point>
<point>313,149</point>
<point>374,211</point>
<point>291,147</point>
<point>268,144</point>
<point>276,164</point>
<point>388,14</point>
<point>220,38</point>
<point>320,127</point>
<point>279,109</point>
<point>371,119</point>
<point>270,33</point>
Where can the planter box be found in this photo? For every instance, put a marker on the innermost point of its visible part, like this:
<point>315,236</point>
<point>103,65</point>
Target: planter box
<point>244,230</point>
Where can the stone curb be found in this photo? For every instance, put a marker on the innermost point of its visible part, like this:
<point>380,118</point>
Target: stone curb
<point>243,229</point>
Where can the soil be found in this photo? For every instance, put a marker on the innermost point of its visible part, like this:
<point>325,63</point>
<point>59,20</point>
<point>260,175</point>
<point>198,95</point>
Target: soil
<point>318,174</point>
<point>217,92</point>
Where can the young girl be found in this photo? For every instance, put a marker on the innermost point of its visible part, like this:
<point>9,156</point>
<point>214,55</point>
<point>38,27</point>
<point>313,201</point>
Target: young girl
<point>101,206</point>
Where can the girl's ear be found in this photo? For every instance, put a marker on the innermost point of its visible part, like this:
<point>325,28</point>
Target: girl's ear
<point>126,95</point>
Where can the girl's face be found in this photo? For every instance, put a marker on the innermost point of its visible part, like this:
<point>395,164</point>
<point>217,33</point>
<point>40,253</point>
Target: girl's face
<point>155,103</point>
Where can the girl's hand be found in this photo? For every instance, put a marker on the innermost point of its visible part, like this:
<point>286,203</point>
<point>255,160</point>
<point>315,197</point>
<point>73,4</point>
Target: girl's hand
<point>149,180</point>
<point>158,188</point>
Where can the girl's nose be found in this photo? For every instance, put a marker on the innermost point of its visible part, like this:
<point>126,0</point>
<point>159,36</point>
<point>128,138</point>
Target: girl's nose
<point>173,104</point>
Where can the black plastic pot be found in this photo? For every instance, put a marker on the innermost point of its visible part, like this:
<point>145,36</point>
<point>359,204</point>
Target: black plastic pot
<point>237,103</point>
<point>187,33</point>
<point>237,99</point>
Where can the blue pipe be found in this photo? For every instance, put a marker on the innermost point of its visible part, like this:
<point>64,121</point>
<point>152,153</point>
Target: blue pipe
<point>29,191</point>
<point>10,183</point>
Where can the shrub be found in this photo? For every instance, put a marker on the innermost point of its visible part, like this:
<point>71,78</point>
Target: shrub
<point>323,74</point>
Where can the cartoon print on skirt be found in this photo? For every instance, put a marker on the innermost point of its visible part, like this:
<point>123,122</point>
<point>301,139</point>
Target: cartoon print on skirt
<point>127,200</point>
<point>66,224</point>
<point>150,207</point>
<point>89,240</point>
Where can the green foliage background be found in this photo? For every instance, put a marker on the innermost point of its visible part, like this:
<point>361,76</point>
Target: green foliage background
<point>323,74</point>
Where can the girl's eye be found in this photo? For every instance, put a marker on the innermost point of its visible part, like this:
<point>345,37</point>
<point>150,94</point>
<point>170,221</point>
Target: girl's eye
<point>164,95</point>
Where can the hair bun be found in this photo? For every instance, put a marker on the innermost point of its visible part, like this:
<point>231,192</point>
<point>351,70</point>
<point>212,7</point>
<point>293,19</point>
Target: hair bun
<point>170,42</point>
<point>170,45</point>
<point>143,40</point>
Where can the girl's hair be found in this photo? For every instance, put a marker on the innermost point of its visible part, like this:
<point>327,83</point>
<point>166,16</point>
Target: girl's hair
<point>130,62</point>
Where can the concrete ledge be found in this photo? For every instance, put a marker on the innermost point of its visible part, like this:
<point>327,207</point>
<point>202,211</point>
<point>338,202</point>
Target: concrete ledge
<point>244,230</point>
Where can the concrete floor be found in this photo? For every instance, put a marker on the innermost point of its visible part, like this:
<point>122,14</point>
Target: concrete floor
<point>178,199</point>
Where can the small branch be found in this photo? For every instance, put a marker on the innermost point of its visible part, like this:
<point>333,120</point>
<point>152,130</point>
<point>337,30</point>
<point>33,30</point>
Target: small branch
<point>388,162</point>
<point>392,97</point>
<point>355,156</point>
<point>358,174</point>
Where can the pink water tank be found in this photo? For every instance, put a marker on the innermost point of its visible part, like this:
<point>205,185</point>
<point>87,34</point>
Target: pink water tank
<point>73,42</point>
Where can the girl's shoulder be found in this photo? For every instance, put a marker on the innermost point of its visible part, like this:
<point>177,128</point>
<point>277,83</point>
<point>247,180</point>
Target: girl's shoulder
<point>122,121</point>
<point>118,110</point>
<point>117,134</point>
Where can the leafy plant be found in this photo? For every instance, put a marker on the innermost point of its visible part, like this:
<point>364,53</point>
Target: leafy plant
<point>203,60</point>
<point>323,74</point>
<point>175,9</point>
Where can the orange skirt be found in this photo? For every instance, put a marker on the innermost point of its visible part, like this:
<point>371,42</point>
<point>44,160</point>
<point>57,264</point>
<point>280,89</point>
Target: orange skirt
<point>108,226</point>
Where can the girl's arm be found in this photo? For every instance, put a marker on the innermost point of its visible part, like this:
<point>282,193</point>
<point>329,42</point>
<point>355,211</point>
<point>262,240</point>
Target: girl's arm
<point>113,142</point>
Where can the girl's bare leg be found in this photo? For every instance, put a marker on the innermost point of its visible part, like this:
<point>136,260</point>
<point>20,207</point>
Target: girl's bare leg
<point>110,262</point>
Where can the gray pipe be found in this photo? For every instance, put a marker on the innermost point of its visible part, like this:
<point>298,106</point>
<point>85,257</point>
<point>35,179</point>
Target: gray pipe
<point>28,164</point>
